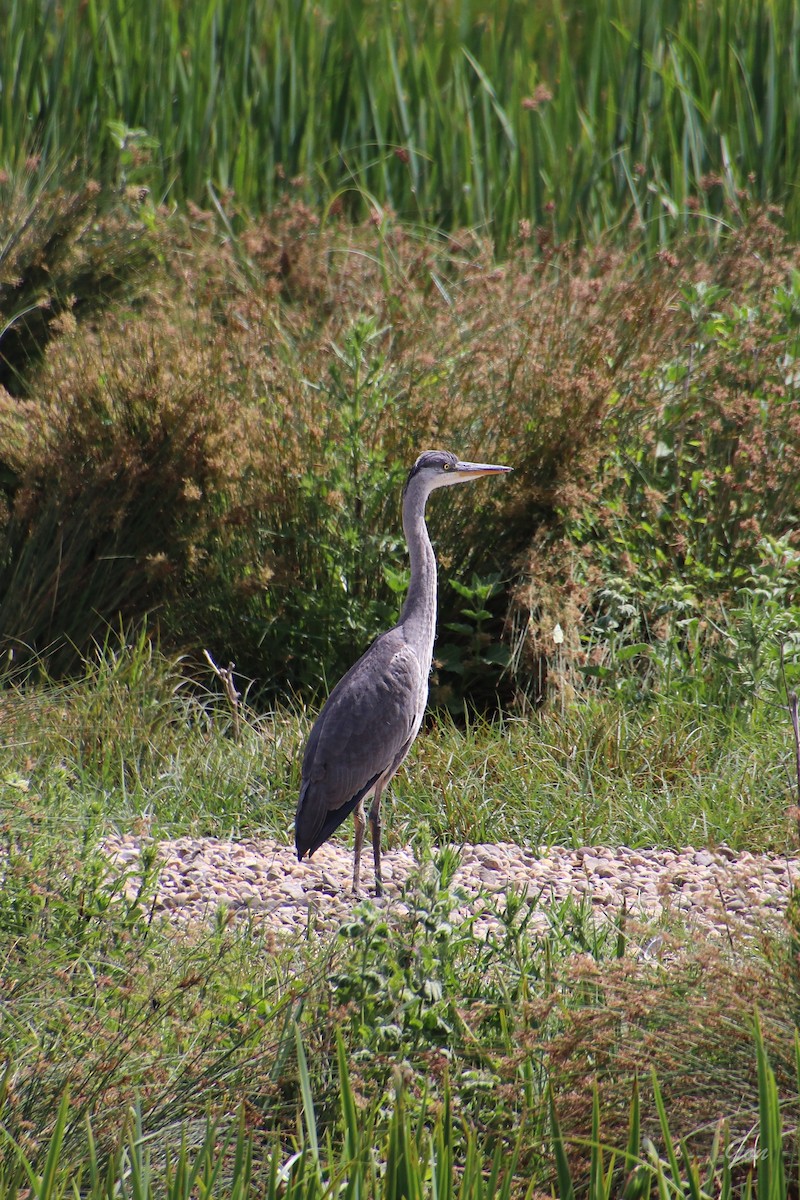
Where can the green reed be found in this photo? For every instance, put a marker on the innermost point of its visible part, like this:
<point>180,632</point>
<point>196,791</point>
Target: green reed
<point>665,114</point>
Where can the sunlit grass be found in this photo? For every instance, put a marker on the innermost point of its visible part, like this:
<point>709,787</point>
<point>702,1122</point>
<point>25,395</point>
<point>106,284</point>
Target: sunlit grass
<point>602,774</point>
<point>134,744</point>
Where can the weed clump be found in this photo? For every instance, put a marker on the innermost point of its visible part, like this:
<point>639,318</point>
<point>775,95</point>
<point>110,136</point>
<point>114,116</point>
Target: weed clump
<point>67,253</point>
<point>680,1023</point>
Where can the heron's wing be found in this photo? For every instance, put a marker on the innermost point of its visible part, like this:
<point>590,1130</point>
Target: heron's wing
<point>364,732</point>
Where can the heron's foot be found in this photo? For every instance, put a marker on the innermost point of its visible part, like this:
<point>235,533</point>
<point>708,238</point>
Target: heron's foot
<point>378,888</point>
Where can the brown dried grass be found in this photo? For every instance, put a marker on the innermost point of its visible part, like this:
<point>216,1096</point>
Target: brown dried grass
<point>685,1015</point>
<point>691,1022</point>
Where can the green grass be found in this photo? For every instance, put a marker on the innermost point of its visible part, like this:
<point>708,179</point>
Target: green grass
<point>660,776</point>
<point>449,1044</point>
<point>663,115</point>
<point>419,1158</point>
<point>134,739</point>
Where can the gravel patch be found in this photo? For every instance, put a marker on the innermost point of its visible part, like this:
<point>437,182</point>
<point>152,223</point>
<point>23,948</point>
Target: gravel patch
<point>717,891</point>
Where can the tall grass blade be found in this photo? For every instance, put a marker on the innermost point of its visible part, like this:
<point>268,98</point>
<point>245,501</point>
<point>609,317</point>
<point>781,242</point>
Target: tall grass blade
<point>442,1148</point>
<point>691,1182</point>
<point>770,1176</point>
<point>242,1172</point>
<point>403,1169</point>
<point>633,1148</point>
<point>599,1178</point>
<point>309,1115</point>
<point>566,1189</point>
<point>47,1186</point>
<point>669,1145</point>
<point>350,1119</point>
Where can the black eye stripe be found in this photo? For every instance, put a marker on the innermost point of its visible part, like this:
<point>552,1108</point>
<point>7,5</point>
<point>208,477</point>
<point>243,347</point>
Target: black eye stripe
<point>431,458</point>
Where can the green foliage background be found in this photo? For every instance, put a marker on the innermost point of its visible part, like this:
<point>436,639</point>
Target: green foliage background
<point>207,413</point>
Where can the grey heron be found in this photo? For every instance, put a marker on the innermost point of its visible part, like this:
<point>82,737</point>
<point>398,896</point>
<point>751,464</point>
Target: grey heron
<point>369,721</point>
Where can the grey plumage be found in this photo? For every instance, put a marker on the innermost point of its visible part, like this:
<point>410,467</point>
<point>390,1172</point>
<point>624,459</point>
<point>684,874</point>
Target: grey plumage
<point>372,716</point>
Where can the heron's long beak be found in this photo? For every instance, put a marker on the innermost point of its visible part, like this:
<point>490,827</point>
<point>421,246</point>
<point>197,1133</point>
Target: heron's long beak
<point>471,470</point>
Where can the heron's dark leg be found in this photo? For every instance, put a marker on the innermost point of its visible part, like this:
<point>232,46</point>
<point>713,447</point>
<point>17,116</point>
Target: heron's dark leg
<point>360,824</point>
<point>375,828</point>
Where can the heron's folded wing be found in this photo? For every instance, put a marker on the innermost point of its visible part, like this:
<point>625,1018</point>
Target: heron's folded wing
<point>367,724</point>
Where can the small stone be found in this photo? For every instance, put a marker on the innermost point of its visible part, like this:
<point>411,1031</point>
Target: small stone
<point>263,879</point>
<point>293,889</point>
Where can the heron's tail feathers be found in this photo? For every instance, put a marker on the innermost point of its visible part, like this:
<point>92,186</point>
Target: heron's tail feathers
<point>313,824</point>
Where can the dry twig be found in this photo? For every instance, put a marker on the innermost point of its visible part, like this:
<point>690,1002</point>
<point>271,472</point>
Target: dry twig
<point>225,675</point>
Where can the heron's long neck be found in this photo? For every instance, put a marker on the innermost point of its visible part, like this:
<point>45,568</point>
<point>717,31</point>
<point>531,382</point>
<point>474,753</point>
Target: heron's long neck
<point>418,615</point>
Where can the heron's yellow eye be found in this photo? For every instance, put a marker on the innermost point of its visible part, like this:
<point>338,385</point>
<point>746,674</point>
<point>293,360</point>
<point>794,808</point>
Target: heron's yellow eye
<point>446,466</point>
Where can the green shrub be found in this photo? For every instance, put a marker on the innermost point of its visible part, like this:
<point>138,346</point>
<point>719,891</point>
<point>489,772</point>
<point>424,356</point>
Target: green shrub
<point>117,467</point>
<point>683,561</point>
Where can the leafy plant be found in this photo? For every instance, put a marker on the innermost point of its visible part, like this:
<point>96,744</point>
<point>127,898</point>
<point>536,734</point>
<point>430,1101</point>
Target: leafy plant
<point>347,538</point>
<point>475,656</point>
<point>693,559</point>
<point>398,992</point>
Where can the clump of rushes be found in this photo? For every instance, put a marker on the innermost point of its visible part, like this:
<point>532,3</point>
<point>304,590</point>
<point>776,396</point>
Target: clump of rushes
<point>655,119</point>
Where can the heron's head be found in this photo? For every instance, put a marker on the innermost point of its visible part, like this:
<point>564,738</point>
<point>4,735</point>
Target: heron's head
<point>440,468</point>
